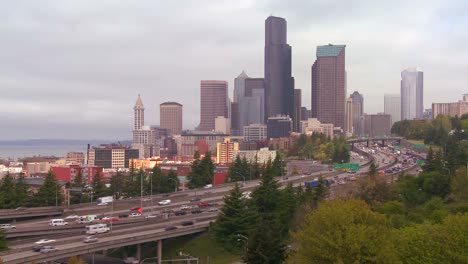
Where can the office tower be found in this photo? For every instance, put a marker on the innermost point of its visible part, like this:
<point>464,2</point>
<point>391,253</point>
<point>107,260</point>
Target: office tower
<point>279,126</point>
<point>312,125</point>
<point>139,114</point>
<point>252,103</point>
<point>392,106</point>
<point>279,85</point>
<point>329,85</point>
<point>412,94</point>
<point>377,125</point>
<point>239,86</point>
<point>222,125</point>
<point>225,151</point>
<point>213,103</point>
<point>358,106</point>
<point>349,116</point>
<point>451,109</point>
<point>235,128</point>
<point>297,110</point>
<point>171,117</point>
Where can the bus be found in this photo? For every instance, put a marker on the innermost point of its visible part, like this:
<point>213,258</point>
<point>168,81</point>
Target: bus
<point>97,229</point>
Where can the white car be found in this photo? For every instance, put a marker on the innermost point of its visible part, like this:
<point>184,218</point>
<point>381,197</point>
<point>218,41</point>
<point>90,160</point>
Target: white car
<point>72,217</point>
<point>208,186</point>
<point>106,218</point>
<point>185,207</point>
<point>45,241</point>
<point>164,202</point>
<point>102,204</point>
<point>7,226</point>
<point>134,214</point>
<point>152,216</point>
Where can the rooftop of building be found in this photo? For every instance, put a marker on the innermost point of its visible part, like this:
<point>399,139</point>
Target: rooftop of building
<point>170,103</point>
<point>139,103</point>
<point>329,50</point>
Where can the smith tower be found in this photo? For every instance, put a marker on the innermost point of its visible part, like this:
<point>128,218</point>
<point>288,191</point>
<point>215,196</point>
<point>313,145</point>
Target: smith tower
<point>139,114</point>
<point>279,85</point>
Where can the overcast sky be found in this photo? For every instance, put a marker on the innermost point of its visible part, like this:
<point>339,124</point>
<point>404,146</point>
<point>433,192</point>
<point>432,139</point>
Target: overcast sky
<point>73,69</point>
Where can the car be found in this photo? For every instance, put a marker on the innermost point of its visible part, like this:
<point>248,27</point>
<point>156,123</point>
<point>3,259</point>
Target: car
<point>195,199</point>
<point>212,209</point>
<point>90,239</point>
<point>111,219</point>
<point>71,217</point>
<point>134,214</point>
<point>208,186</point>
<point>44,241</point>
<point>85,221</point>
<point>102,204</point>
<point>7,226</point>
<point>203,204</point>
<point>131,260</point>
<point>196,211</point>
<point>150,216</point>
<point>180,213</point>
<point>135,208</point>
<point>164,202</point>
<point>187,223</point>
<point>171,227</point>
<point>185,207</point>
<point>47,249</point>
<point>37,248</point>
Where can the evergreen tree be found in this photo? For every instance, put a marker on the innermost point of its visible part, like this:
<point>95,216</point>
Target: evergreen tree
<point>372,171</point>
<point>266,243</point>
<point>3,242</point>
<point>234,222</point>
<point>78,181</point>
<point>320,192</point>
<point>140,182</point>
<point>21,191</point>
<point>202,171</point>
<point>429,163</point>
<point>7,192</point>
<point>131,190</point>
<point>172,181</point>
<point>117,182</point>
<point>277,165</point>
<point>99,189</point>
<point>234,171</point>
<point>49,194</point>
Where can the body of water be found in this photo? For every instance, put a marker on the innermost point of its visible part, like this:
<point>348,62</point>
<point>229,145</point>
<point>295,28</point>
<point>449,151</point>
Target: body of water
<point>29,150</point>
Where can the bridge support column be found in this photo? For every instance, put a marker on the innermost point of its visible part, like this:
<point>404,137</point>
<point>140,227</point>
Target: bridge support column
<point>138,253</point>
<point>159,251</point>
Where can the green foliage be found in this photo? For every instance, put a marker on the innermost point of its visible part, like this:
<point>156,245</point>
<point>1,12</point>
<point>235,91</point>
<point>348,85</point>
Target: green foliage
<point>3,241</point>
<point>411,129</point>
<point>277,165</point>
<point>99,189</point>
<point>21,192</point>
<point>49,194</point>
<point>460,184</point>
<point>234,222</point>
<point>117,185</point>
<point>239,170</point>
<point>344,232</point>
<point>78,181</point>
<point>202,172</point>
<point>7,192</point>
<point>438,131</point>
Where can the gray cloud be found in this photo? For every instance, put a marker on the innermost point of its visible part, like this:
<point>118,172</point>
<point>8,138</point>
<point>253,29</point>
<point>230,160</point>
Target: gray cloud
<point>73,69</point>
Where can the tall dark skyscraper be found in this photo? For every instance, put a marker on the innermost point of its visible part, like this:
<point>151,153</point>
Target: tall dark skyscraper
<point>213,102</point>
<point>279,85</point>
<point>329,85</point>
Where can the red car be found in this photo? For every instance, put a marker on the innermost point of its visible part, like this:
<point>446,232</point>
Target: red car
<point>111,219</point>
<point>202,204</point>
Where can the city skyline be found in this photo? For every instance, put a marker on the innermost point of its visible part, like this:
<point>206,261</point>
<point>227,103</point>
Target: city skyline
<point>89,65</point>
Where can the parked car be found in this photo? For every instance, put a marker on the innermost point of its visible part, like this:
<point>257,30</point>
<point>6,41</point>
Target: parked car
<point>90,239</point>
<point>7,226</point>
<point>45,241</point>
<point>187,223</point>
<point>47,249</point>
<point>172,227</point>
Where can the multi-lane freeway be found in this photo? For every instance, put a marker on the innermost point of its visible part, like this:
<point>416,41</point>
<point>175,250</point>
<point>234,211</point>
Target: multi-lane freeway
<point>135,230</point>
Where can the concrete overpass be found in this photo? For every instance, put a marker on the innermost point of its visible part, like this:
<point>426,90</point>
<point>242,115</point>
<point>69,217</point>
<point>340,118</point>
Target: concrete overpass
<point>375,139</point>
<point>116,241</point>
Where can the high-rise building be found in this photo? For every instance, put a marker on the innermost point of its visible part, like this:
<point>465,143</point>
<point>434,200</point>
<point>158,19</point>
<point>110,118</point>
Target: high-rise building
<point>312,125</point>
<point>239,86</point>
<point>213,103</point>
<point>252,103</point>
<point>255,132</point>
<point>279,84</point>
<point>225,151</point>
<point>222,125</point>
<point>451,109</point>
<point>412,85</point>
<point>279,126</point>
<point>349,116</point>
<point>377,125</point>
<point>392,106</point>
<point>297,110</point>
<point>358,112</point>
<point>171,117</point>
<point>111,156</point>
<point>139,114</point>
<point>235,128</point>
<point>329,85</point>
